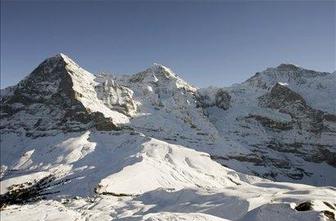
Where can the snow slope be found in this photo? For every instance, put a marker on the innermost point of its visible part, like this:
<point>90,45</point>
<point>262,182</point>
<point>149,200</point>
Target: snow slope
<point>129,176</point>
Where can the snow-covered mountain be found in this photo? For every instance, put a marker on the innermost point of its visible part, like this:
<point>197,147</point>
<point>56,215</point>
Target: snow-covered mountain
<point>285,117</point>
<point>150,146</point>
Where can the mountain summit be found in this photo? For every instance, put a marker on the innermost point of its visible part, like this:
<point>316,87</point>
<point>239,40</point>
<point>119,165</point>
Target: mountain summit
<point>57,95</point>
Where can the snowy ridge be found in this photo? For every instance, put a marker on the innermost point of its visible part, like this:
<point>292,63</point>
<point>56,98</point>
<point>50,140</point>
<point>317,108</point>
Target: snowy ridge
<point>150,146</point>
<point>83,85</point>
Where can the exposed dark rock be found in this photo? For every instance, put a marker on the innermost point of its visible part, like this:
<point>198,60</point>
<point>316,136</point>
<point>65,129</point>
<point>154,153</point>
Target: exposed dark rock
<point>280,97</point>
<point>305,206</point>
<point>322,154</point>
<point>252,158</point>
<point>287,101</point>
<point>285,147</point>
<point>27,192</point>
<point>318,153</point>
<point>329,214</point>
<point>295,176</point>
<point>267,122</point>
<point>102,123</point>
<point>117,194</point>
<point>330,117</point>
<point>329,205</point>
<point>214,157</point>
<point>221,100</point>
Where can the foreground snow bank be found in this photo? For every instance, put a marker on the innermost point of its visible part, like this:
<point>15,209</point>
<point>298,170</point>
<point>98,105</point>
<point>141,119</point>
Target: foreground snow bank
<point>129,176</point>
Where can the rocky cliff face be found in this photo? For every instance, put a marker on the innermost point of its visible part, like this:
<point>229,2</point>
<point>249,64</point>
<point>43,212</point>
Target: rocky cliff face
<point>305,120</point>
<point>115,96</point>
<point>57,96</point>
<point>214,97</point>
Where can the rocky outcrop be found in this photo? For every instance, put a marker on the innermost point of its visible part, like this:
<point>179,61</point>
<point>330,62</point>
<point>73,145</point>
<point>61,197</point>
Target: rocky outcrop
<point>27,192</point>
<point>223,99</point>
<point>56,96</point>
<point>270,123</point>
<point>281,96</point>
<point>213,97</point>
<point>287,101</point>
<point>305,121</point>
<point>115,96</point>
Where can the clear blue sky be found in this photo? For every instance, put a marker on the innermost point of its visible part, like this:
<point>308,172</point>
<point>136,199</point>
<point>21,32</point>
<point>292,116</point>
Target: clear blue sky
<point>206,42</point>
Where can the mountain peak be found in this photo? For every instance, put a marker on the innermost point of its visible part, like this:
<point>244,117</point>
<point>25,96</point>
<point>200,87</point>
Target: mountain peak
<point>288,67</point>
<point>60,57</point>
<point>289,74</point>
<point>161,76</point>
<point>159,68</point>
<point>158,65</point>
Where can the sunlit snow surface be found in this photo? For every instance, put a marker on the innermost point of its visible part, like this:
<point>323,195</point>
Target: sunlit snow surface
<point>150,180</point>
<point>164,162</point>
